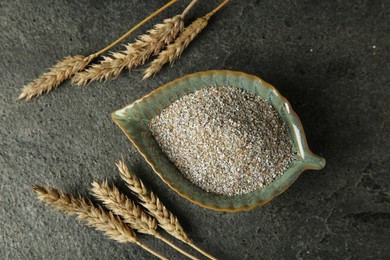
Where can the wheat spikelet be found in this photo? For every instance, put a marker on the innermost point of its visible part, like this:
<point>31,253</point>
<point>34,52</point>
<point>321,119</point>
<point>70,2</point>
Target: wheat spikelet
<point>63,70</point>
<point>130,212</point>
<point>135,54</point>
<point>175,49</point>
<point>95,216</point>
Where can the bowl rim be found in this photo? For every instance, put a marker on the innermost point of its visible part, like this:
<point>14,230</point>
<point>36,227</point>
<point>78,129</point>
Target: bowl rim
<point>304,151</point>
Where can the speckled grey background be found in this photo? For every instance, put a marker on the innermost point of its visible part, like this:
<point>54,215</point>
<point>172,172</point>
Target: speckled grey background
<point>331,59</point>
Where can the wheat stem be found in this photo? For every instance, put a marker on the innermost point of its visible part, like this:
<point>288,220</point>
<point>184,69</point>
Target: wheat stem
<point>159,236</point>
<point>151,251</point>
<point>135,28</point>
<point>188,8</point>
<point>201,251</point>
<point>174,50</point>
<point>218,7</point>
<point>155,207</point>
<point>95,216</point>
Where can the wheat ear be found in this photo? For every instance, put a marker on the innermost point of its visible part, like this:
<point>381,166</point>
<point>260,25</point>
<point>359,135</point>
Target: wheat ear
<point>152,203</point>
<point>175,49</point>
<point>154,206</point>
<point>51,79</point>
<point>136,53</point>
<point>69,66</point>
<point>131,213</point>
<point>95,216</point>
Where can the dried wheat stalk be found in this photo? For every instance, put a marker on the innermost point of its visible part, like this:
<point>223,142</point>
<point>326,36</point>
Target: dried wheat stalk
<point>136,53</point>
<point>175,49</point>
<point>95,216</point>
<point>154,206</point>
<point>130,212</point>
<point>69,66</point>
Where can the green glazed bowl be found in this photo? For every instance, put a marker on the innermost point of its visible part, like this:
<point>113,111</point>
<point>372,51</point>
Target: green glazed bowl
<point>134,118</point>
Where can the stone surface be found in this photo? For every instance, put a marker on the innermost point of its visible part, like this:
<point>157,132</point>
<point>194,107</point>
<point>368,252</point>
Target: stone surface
<point>331,59</point>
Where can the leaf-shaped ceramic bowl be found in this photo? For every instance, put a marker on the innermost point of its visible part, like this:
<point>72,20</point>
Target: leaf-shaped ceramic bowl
<point>134,118</point>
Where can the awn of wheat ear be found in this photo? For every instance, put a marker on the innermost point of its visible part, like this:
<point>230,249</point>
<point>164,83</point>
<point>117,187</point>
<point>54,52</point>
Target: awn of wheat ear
<point>175,49</point>
<point>95,216</point>
<point>150,201</point>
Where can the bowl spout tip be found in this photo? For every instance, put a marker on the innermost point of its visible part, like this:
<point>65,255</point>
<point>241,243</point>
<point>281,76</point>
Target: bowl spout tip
<point>315,162</point>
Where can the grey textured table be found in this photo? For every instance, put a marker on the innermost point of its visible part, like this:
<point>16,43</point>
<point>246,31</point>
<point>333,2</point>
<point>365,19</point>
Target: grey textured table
<point>331,59</point>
